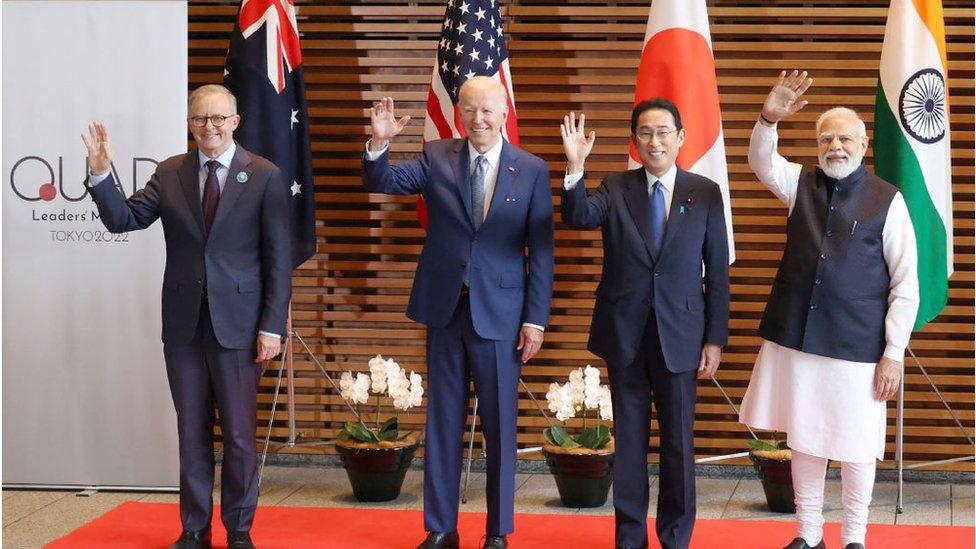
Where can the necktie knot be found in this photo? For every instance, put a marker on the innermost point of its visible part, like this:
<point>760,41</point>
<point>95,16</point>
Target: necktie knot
<point>212,166</point>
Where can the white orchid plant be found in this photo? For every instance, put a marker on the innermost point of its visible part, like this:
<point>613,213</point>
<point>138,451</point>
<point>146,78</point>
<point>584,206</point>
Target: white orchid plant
<point>385,379</point>
<point>581,393</point>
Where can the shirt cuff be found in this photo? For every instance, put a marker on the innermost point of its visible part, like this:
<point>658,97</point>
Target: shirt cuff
<point>373,155</point>
<point>571,180</point>
<point>536,326</point>
<point>94,179</point>
<point>269,334</point>
<point>895,353</point>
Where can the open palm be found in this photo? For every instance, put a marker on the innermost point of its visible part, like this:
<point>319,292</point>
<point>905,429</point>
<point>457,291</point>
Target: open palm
<point>784,99</point>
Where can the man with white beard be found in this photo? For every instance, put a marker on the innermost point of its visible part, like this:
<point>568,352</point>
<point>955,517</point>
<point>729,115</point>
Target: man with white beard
<point>840,313</point>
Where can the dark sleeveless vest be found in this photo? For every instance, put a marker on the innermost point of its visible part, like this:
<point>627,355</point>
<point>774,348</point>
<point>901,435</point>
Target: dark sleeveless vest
<point>830,296</point>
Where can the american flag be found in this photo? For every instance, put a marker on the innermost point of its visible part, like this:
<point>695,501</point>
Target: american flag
<point>472,43</point>
<point>264,70</point>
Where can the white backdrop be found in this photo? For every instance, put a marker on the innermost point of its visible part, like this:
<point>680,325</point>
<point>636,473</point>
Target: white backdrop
<point>85,396</point>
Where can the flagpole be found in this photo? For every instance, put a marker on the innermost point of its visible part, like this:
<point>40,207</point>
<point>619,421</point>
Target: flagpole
<point>290,373</point>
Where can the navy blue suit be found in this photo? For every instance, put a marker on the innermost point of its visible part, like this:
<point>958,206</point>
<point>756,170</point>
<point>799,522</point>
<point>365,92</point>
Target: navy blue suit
<point>653,314</point>
<point>473,335</point>
<point>219,290</point>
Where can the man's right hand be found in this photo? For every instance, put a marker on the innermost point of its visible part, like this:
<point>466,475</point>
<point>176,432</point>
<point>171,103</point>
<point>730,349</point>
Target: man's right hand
<point>384,124</point>
<point>783,99</point>
<point>576,144</point>
<point>99,150</point>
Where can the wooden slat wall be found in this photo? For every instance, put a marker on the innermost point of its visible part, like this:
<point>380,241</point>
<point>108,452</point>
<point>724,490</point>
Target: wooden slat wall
<point>349,300</point>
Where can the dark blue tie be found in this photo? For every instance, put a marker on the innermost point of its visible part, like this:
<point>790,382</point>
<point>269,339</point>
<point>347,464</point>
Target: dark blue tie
<point>658,219</point>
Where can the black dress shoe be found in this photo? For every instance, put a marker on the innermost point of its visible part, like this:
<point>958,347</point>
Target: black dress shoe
<point>495,542</point>
<point>800,543</point>
<point>854,546</point>
<point>239,540</point>
<point>192,540</point>
<point>441,540</point>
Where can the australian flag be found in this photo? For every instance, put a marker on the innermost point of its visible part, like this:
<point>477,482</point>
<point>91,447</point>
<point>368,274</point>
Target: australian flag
<point>264,70</point>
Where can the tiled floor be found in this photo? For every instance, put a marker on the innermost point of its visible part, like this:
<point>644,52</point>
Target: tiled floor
<point>32,518</point>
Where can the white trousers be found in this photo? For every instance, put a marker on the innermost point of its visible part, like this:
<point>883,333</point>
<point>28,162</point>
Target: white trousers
<point>857,483</point>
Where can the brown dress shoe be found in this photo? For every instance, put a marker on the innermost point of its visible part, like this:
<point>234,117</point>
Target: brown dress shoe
<point>440,540</point>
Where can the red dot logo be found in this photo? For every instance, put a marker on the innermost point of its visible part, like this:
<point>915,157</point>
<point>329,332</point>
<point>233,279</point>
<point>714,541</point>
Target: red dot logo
<point>47,192</point>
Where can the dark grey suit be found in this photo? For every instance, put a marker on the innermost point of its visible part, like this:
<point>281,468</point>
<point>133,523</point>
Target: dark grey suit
<point>219,290</point>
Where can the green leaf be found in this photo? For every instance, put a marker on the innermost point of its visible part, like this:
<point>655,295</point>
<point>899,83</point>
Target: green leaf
<point>757,444</point>
<point>547,434</point>
<point>359,431</point>
<point>390,424</point>
<point>594,438</point>
<point>559,437</point>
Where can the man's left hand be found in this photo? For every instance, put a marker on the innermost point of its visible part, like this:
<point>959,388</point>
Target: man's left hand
<point>711,356</point>
<point>268,347</point>
<point>530,341</point>
<point>887,379</point>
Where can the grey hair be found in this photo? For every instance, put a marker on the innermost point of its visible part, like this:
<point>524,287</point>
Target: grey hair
<point>211,89</point>
<point>842,111</point>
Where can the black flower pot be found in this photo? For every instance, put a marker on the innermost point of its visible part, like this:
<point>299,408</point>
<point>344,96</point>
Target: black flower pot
<point>777,482</point>
<point>376,473</point>
<point>583,480</point>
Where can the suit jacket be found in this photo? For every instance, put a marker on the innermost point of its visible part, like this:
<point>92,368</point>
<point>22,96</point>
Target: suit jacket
<point>245,262</point>
<point>507,286</point>
<point>691,309</point>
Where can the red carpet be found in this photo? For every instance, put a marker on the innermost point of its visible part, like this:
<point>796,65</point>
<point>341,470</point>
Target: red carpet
<point>155,525</point>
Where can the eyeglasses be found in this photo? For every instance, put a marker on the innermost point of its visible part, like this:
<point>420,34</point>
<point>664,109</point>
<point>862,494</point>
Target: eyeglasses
<point>217,120</point>
<point>828,138</point>
<point>645,136</point>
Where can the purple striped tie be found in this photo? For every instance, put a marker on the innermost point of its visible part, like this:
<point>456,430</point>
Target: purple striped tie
<point>211,194</point>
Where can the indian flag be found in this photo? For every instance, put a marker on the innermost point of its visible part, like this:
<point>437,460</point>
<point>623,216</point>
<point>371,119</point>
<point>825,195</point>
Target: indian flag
<point>911,138</point>
<point>677,64</point>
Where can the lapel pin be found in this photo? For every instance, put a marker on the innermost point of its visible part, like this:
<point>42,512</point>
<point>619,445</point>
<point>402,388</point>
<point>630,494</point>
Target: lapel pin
<point>511,168</point>
<point>242,177</point>
<point>681,210</point>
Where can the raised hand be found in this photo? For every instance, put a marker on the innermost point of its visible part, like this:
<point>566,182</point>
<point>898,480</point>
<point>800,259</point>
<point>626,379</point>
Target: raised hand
<point>99,149</point>
<point>576,144</point>
<point>783,99</point>
<point>384,124</point>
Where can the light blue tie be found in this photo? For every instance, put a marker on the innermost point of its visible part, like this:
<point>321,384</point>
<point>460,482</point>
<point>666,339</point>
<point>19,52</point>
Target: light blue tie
<point>658,219</point>
<point>478,191</point>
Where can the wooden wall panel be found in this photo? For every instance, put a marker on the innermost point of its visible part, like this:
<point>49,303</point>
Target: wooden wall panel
<point>349,300</point>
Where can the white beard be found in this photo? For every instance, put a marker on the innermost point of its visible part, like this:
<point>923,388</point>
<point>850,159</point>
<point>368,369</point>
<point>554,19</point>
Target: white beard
<point>842,170</point>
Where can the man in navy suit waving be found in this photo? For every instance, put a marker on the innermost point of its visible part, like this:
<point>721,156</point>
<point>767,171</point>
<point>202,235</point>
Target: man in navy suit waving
<point>661,311</point>
<point>225,298</point>
<point>482,288</point>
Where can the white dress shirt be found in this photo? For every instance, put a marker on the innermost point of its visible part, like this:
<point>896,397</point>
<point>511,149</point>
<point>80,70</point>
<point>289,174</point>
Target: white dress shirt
<point>667,185</point>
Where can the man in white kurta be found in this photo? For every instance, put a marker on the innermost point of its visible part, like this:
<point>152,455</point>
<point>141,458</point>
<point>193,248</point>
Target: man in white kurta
<point>831,408</point>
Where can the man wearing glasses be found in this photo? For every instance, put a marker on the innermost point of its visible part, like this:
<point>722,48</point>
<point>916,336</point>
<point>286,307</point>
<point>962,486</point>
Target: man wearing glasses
<point>840,313</point>
<point>225,297</point>
<point>662,309</point>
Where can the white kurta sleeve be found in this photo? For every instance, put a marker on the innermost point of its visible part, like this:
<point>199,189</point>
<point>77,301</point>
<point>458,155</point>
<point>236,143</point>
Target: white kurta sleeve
<point>775,172</point>
<point>901,257</point>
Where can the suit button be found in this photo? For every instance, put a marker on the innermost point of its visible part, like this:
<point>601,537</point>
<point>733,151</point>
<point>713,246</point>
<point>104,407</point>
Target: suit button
<point>813,307</point>
<point>823,255</point>
<point>830,233</point>
<point>817,282</point>
<point>199,281</point>
<point>657,273</point>
<point>833,208</point>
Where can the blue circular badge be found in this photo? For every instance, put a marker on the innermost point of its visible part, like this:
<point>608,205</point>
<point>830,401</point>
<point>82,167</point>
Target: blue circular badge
<point>242,177</point>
